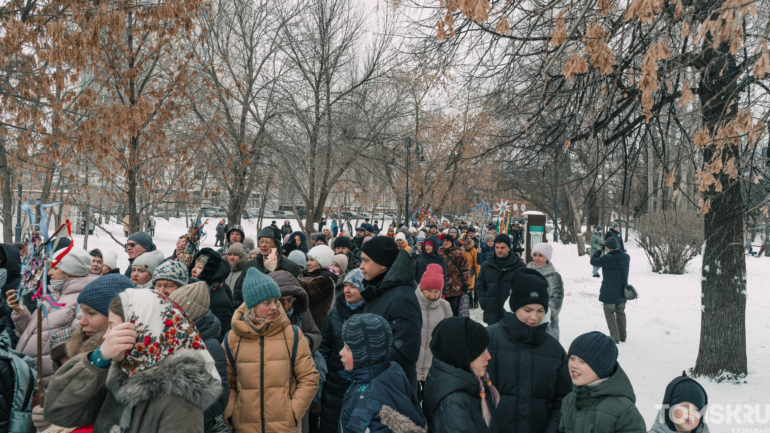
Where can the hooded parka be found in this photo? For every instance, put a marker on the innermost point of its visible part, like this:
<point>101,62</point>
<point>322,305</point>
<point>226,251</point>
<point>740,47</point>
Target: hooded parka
<point>426,259</point>
<point>663,423</point>
<point>299,314</point>
<point>264,397</point>
<point>491,293</point>
<point>452,400</point>
<point>214,274</point>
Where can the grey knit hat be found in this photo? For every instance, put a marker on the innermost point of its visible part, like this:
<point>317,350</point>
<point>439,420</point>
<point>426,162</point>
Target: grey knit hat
<point>149,261</point>
<point>173,271</point>
<point>369,338</point>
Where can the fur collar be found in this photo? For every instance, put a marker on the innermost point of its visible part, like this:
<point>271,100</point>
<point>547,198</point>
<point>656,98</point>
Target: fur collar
<point>238,266</point>
<point>79,342</point>
<point>182,374</point>
<point>398,423</point>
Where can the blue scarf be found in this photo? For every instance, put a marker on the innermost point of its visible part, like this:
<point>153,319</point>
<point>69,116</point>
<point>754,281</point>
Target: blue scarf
<point>354,306</point>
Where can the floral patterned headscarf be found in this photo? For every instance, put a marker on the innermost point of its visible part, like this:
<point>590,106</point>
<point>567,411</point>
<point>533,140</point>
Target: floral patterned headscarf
<point>162,328</point>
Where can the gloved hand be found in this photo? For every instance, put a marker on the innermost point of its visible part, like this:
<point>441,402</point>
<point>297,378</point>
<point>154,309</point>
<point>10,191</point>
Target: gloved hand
<point>38,419</point>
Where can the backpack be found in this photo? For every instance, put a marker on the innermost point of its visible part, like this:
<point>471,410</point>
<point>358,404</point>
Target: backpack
<point>320,365</point>
<point>24,377</point>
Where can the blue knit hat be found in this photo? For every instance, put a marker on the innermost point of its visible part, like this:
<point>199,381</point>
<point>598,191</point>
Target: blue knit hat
<point>173,271</point>
<point>100,292</point>
<point>369,338</point>
<point>356,278</point>
<point>598,351</point>
<point>258,288</point>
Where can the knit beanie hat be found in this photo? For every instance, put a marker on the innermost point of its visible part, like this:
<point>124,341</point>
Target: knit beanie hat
<point>421,236</point>
<point>237,248</point>
<point>489,238</point>
<point>342,261</point>
<point>688,391</point>
<point>322,254</point>
<point>100,292</point>
<point>321,237</point>
<point>458,341</point>
<point>369,338</point>
<point>268,232</point>
<point>543,248</point>
<point>502,237</point>
<point>96,252</point>
<point>76,263</point>
<point>382,249</point>
<point>248,242</point>
<point>149,261</point>
<point>343,241</point>
<point>433,278</point>
<point>598,351</point>
<point>615,225</point>
<point>401,236</point>
<point>173,271</point>
<point>298,257</point>
<point>193,298</point>
<point>528,286</point>
<point>110,259</point>
<point>258,288</point>
<point>611,243</point>
<point>598,228</point>
<point>143,239</point>
<point>448,237</point>
<point>356,278</point>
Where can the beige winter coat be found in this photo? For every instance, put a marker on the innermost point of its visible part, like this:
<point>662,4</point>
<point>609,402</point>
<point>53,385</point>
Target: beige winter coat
<point>432,313</point>
<point>264,380</point>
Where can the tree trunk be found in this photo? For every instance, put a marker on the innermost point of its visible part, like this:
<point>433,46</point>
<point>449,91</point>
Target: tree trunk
<point>723,283</point>
<point>650,173</point>
<point>7,195</point>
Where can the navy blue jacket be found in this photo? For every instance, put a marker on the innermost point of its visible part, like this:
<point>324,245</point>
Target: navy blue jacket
<point>617,236</point>
<point>492,286</point>
<point>372,387</point>
<point>612,277</point>
<point>209,329</point>
<point>423,260</point>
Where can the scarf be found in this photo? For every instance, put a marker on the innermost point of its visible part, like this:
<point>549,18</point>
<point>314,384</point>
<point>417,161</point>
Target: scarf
<point>162,329</point>
<point>536,266</point>
<point>257,323</point>
<point>55,286</point>
<point>354,306</point>
<point>484,382</point>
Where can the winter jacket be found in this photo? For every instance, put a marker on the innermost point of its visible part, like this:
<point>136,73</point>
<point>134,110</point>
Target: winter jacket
<point>406,248</point>
<point>73,346</point>
<point>284,264</point>
<point>319,286</point>
<point>486,253</point>
<point>616,235</point>
<point>391,296</point>
<point>596,242</point>
<point>491,293</point>
<point>12,269</point>
<point>168,397</point>
<point>529,369</point>
<point>555,295</point>
<point>61,318</point>
<point>607,407</point>
<point>291,245</point>
<point>612,291</point>
<point>235,272</point>
<point>663,424</point>
<point>426,259</point>
<point>331,345</point>
<point>358,242</point>
<point>372,388</point>
<point>473,264</point>
<point>264,397</point>
<point>209,328</point>
<point>299,314</point>
<point>214,274</point>
<point>452,400</point>
<point>409,239</point>
<point>432,313</point>
<point>458,273</point>
<point>353,262</point>
<point>7,383</point>
<point>220,232</point>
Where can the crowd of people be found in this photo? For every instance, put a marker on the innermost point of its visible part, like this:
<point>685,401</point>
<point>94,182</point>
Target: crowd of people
<point>341,330</point>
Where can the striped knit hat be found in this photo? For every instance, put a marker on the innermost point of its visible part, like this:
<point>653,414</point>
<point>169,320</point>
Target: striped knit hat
<point>369,338</point>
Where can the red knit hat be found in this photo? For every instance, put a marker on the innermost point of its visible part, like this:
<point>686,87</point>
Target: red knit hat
<point>433,278</point>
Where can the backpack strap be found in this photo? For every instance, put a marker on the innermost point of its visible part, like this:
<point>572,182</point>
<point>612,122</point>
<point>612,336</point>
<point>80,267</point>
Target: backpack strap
<point>229,353</point>
<point>24,382</point>
<point>294,351</point>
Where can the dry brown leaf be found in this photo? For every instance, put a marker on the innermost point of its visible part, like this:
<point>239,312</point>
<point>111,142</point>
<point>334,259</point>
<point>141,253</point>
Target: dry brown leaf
<point>575,65</point>
<point>560,31</point>
<point>502,27</point>
<point>762,65</point>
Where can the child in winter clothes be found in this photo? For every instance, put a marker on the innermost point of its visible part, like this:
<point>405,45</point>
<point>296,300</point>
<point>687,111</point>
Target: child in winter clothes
<point>682,403</point>
<point>434,310</point>
<point>138,380</point>
<point>380,398</point>
<point>602,398</point>
<point>459,395</point>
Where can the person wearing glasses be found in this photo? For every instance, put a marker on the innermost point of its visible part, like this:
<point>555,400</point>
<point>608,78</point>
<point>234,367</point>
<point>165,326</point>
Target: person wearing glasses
<point>136,245</point>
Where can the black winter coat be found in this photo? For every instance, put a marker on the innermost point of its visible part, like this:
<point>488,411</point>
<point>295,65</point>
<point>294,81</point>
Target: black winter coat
<point>392,297</point>
<point>529,370</point>
<point>12,279</point>
<point>214,274</point>
<point>425,259</point>
<point>452,401</point>
<point>331,345</point>
<point>209,329</point>
<point>613,283</point>
<point>7,388</point>
<point>491,293</point>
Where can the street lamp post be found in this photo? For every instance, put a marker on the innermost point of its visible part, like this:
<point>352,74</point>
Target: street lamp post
<point>418,151</point>
<point>556,205</point>
<point>18,218</point>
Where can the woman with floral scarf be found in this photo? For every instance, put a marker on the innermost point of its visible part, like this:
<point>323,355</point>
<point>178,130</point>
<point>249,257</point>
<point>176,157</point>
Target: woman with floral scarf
<point>151,373</point>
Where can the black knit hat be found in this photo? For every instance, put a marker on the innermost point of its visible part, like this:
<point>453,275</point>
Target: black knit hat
<point>382,249</point>
<point>321,237</point>
<point>343,241</point>
<point>503,238</point>
<point>269,232</point>
<point>598,351</point>
<point>688,391</point>
<point>448,237</point>
<point>528,286</point>
<point>458,341</point>
<point>611,243</point>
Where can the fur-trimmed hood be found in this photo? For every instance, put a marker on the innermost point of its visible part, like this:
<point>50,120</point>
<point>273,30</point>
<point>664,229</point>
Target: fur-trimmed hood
<point>215,270</point>
<point>238,266</point>
<point>76,344</point>
<point>398,423</point>
<point>290,287</point>
<point>183,374</point>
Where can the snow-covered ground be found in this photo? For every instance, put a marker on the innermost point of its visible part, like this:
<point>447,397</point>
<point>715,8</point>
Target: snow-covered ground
<point>663,324</point>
